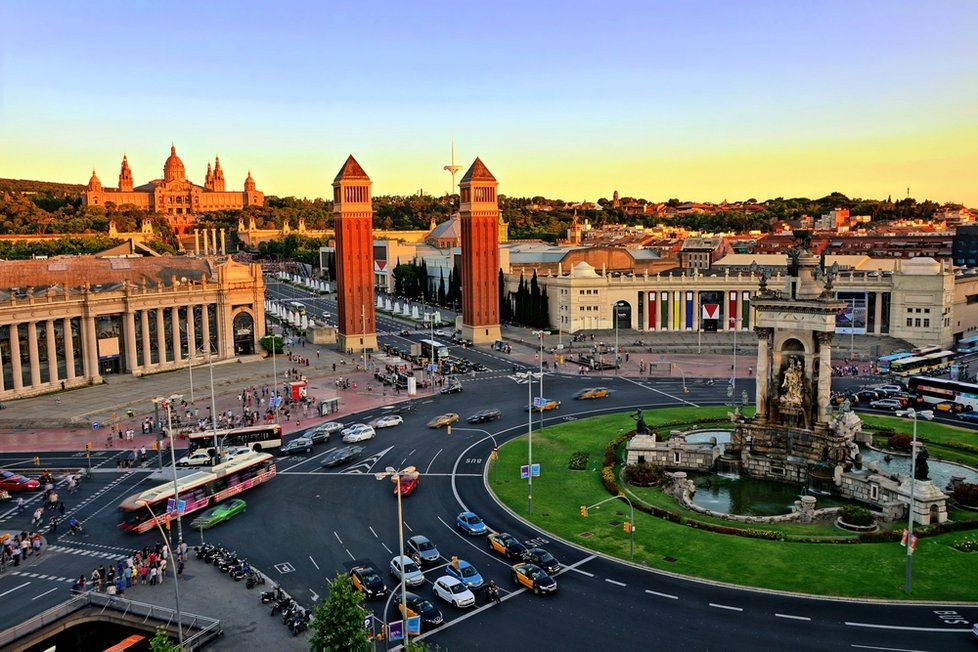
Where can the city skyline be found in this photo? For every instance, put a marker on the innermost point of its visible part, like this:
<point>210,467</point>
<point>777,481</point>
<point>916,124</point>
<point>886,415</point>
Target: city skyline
<point>700,101</point>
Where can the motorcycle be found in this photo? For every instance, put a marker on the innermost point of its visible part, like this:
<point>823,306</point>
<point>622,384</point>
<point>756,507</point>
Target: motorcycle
<point>493,594</point>
<point>272,596</point>
<point>254,578</point>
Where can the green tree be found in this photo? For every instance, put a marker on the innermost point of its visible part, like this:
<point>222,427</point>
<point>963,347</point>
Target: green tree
<point>161,642</point>
<point>337,622</point>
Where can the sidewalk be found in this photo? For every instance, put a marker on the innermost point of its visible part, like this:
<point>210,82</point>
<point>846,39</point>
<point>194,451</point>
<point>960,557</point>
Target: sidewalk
<point>65,420</point>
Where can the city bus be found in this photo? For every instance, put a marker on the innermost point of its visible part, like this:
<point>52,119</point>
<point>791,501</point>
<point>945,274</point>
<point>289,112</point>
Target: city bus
<point>199,490</point>
<point>297,307</point>
<point>940,390</point>
<point>883,363</point>
<point>968,345</point>
<point>925,350</point>
<point>918,364</point>
<point>260,438</point>
<point>434,351</point>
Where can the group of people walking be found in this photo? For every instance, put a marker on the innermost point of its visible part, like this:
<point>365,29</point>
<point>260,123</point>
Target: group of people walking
<point>147,567</point>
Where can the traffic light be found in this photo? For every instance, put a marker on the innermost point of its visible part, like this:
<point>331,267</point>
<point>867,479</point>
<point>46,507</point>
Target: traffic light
<point>584,511</point>
<point>455,562</point>
<point>449,427</point>
<point>88,447</point>
<point>628,526</point>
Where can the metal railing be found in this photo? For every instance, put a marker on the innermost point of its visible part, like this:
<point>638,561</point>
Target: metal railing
<point>203,628</point>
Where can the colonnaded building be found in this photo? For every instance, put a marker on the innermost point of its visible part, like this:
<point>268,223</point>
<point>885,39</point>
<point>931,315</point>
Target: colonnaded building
<point>174,194</point>
<point>70,321</point>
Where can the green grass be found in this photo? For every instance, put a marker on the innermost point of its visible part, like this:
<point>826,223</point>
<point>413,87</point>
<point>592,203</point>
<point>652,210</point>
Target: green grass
<point>860,570</point>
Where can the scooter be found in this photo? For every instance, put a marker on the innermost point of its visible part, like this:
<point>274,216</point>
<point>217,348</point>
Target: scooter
<point>254,578</point>
<point>272,596</point>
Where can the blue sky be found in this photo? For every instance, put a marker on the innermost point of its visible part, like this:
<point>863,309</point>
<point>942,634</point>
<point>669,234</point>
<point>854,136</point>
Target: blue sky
<point>696,100</point>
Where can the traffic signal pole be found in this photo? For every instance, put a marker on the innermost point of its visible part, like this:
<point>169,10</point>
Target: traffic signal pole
<point>629,525</point>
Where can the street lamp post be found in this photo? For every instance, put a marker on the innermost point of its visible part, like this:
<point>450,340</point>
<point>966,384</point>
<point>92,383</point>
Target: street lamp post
<point>540,335</point>
<point>210,366</point>
<point>274,396</point>
<point>167,404</point>
<point>912,414</point>
<point>733,375</point>
<point>176,575</point>
<point>395,476</point>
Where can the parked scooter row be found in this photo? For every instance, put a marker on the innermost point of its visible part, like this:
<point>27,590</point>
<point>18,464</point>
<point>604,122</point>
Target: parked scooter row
<point>294,616</point>
<point>227,561</point>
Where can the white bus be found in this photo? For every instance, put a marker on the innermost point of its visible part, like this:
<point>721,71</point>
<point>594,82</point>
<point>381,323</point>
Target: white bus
<point>297,307</point>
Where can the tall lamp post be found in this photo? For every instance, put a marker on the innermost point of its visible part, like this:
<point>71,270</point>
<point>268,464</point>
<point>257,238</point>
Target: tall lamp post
<point>540,335</point>
<point>176,575</point>
<point>912,414</point>
<point>395,476</point>
<point>733,374</point>
<point>167,404</point>
<point>616,314</point>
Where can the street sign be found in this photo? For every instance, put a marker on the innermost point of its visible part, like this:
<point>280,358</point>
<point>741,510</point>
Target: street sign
<point>179,506</point>
<point>368,622</point>
<point>395,631</point>
<point>413,625</point>
<point>524,472</point>
<point>536,470</point>
<point>96,425</point>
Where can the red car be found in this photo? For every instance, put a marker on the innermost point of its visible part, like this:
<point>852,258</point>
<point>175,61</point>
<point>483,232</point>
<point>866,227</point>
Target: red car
<point>10,481</point>
<point>407,485</point>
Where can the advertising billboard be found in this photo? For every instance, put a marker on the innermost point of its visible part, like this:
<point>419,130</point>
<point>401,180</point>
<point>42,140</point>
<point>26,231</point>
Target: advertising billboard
<point>851,318</point>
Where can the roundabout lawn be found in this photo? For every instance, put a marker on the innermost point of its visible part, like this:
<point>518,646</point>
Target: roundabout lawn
<point>860,570</point>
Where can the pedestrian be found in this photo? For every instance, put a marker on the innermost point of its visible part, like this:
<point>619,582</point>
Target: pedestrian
<point>96,579</point>
<point>61,508</point>
<point>134,574</point>
<point>53,525</point>
<point>152,575</point>
<point>143,572</point>
<point>162,571</point>
<point>20,504</point>
<point>101,576</point>
<point>142,455</point>
<point>36,544</point>
<point>180,569</point>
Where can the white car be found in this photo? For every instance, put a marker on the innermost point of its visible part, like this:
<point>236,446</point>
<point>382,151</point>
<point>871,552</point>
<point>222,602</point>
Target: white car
<point>197,458</point>
<point>412,574</point>
<point>231,453</point>
<point>388,421</point>
<point>354,434</point>
<point>454,591</point>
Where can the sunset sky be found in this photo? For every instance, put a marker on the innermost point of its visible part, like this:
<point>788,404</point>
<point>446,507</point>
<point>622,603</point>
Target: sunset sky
<point>573,100</point>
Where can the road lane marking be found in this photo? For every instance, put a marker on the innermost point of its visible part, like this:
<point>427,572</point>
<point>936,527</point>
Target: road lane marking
<point>790,617</point>
<point>615,582</point>
<point>389,551</point>
<point>578,570</point>
<point>662,595</point>
<point>45,593</point>
<point>336,534</point>
<point>313,562</point>
<point>350,553</point>
<point>905,628</point>
<point>315,596</point>
<point>426,471</point>
<point>16,588</point>
<point>725,606</point>
<point>371,528</point>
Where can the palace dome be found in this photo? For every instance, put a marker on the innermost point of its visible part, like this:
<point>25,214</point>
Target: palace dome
<point>173,169</point>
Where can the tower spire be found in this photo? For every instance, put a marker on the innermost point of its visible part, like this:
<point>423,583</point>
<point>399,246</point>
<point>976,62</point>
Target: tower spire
<point>452,168</point>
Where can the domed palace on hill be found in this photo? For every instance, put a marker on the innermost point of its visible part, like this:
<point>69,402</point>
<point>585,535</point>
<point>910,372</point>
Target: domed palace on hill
<point>174,194</point>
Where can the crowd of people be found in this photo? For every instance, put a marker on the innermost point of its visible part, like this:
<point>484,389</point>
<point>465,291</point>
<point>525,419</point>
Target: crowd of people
<point>147,567</point>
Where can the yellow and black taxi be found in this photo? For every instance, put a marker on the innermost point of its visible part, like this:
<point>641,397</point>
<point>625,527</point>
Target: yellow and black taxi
<point>419,606</point>
<point>534,578</point>
<point>367,581</point>
<point>544,405</point>
<point>591,392</point>
<point>506,544</point>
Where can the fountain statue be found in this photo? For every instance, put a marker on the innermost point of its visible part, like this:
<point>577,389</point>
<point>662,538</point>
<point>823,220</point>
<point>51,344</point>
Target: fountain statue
<point>641,428</point>
<point>921,468</point>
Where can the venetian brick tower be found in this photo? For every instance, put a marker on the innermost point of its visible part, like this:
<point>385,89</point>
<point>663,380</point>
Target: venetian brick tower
<point>479,217</point>
<point>353,223</point>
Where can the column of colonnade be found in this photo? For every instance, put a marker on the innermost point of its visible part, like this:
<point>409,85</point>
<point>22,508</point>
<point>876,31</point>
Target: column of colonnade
<point>69,350</point>
<point>52,346</point>
<point>147,353</point>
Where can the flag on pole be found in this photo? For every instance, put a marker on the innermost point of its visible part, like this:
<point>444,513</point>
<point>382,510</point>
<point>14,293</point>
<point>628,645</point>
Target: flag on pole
<point>903,539</point>
<point>913,543</point>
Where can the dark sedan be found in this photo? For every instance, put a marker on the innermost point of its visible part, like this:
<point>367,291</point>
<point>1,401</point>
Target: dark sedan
<point>343,455</point>
<point>418,606</point>
<point>543,559</point>
<point>483,416</point>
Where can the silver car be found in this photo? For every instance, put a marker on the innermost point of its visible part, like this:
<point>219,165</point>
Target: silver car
<point>422,546</point>
<point>412,574</point>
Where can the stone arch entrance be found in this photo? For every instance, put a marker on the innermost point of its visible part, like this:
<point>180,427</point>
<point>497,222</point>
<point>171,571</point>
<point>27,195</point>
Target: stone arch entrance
<point>243,327</point>
<point>622,316</point>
